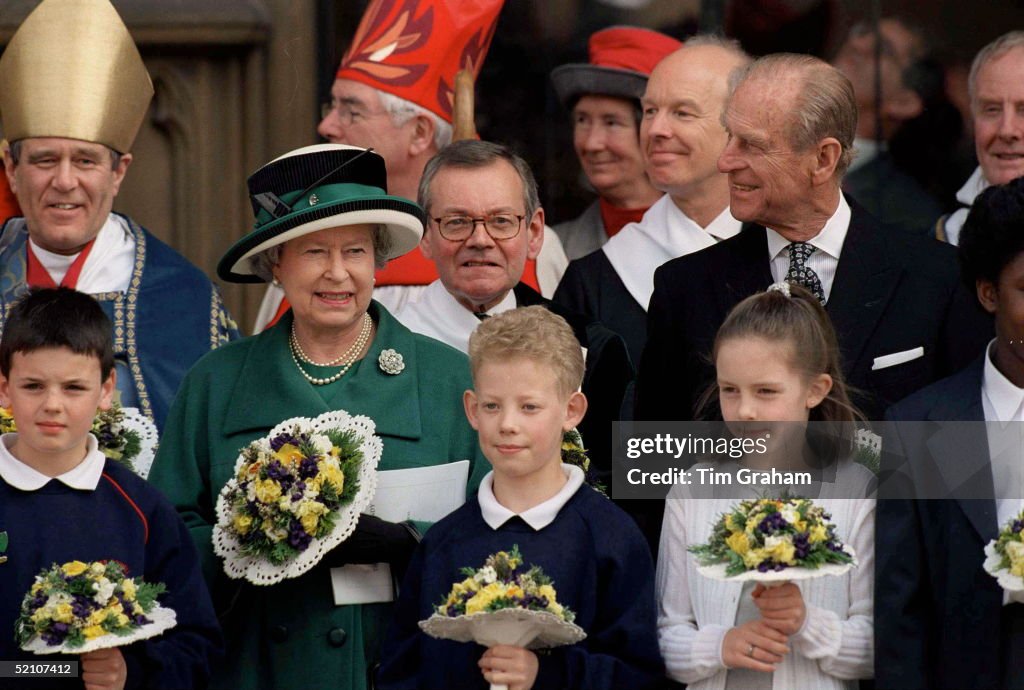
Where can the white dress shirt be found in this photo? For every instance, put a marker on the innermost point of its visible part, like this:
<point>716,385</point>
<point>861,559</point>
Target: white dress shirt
<point>975,185</point>
<point>663,234</point>
<point>829,245</point>
<point>1003,404</point>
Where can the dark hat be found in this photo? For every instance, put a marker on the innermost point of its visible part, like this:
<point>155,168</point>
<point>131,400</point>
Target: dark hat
<point>621,59</point>
<point>315,188</point>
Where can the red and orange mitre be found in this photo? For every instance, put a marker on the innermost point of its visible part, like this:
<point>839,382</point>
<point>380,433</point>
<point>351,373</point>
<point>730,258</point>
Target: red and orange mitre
<point>414,48</point>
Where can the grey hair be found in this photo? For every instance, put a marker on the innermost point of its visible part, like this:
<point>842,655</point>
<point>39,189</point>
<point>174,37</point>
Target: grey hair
<point>401,111</point>
<point>824,107</point>
<point>718,41</point>
<point>997,48</point>
<point>471,153</point>
<point>15,148</point>
<point>262,264</point>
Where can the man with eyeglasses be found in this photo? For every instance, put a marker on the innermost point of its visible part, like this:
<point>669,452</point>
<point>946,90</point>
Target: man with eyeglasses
<point>484,222</point>
<point>393,92</point>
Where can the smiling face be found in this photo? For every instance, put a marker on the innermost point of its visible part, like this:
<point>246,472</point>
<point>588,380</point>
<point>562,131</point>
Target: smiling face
<point>681,131</point>
<point>769,182</point>
<point>54,394</point>
<point>998,107</point>
<point>606,140</point>
<point>520,415</point>
<point>479,271</point>
<point>327,277</point>
<point>66,189</point>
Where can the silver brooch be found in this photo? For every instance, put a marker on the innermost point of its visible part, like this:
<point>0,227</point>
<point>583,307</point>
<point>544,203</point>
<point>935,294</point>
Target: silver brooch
<point>313,199</point>
<point>391,362</point>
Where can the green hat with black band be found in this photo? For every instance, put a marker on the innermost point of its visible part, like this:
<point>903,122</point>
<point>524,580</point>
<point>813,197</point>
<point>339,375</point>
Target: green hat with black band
<point>315,188</point>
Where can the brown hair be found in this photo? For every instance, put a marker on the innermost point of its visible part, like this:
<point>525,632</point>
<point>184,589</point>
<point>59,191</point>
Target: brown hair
<point>800,322</point>
<point>531,333</point>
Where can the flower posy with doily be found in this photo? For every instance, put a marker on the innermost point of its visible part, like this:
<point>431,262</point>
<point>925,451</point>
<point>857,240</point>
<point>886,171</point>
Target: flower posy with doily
<point>504,602</point>
<point>295,495</point>
<point>81,607</point>
<point>124,435</point>
<point>773,539</point>
<point>1004,556</point>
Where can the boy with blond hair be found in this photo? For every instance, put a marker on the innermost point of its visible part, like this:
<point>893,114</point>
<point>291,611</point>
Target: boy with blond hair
<point>527,367</point>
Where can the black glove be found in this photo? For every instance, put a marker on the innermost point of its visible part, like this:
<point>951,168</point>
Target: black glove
<point>377,541</point>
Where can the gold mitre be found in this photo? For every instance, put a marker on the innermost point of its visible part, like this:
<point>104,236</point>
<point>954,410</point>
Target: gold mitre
<point>72,70</point>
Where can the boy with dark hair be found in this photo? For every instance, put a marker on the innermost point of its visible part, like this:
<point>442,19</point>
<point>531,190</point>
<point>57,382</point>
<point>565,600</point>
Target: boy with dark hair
<point>527,366</point>
<point>941,620</point>
<point>61,500</point>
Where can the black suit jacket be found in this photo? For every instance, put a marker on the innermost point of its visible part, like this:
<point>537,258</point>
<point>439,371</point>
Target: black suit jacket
<point>591,286</point>
<point>939,618</point>
<point>892,293</point>
<point>892,196</point>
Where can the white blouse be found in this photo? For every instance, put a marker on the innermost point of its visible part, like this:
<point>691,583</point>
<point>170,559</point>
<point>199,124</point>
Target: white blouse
<point>836,644</point>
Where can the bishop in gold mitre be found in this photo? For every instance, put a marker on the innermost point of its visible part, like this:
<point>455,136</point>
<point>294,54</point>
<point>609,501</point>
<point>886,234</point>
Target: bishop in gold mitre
<point>73,95</point>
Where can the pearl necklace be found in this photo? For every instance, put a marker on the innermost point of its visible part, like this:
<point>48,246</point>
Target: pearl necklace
<point>350,355</point>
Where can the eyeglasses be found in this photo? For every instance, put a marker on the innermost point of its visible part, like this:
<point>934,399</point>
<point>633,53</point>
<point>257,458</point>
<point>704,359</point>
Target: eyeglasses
<point>348,113</point>
<point>500,226</point>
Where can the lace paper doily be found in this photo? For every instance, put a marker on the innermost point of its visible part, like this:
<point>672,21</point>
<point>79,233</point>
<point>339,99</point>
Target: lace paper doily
<point>259,571</point>
<point>149,437</point>
<point>993,566</point>
<point>791,574</point>
<point>519,627</point>
<point>163,619</point>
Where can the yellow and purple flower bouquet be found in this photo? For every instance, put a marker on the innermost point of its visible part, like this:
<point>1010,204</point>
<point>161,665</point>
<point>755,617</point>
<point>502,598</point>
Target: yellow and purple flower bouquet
<point>1004,556</point>
<point>295,495</point>
<point>504,602</point>
<point>773,540</point>
<point>81,607</point>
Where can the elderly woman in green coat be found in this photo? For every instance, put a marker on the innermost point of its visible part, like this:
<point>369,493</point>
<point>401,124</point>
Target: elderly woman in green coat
<point>323,223</point>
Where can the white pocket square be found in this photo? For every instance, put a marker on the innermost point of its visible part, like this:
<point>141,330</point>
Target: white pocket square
<point>895,358</point>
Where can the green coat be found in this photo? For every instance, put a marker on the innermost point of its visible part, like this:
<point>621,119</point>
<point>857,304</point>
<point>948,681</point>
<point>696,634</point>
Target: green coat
<point>291,635</point>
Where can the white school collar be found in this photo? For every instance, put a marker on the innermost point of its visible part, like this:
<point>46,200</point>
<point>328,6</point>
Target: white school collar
<point>84,476</point>
<point>537,517</point>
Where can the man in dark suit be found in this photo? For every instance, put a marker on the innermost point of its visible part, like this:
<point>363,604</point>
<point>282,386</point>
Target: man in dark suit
<point>902,317</point>
<point>942,620</point>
